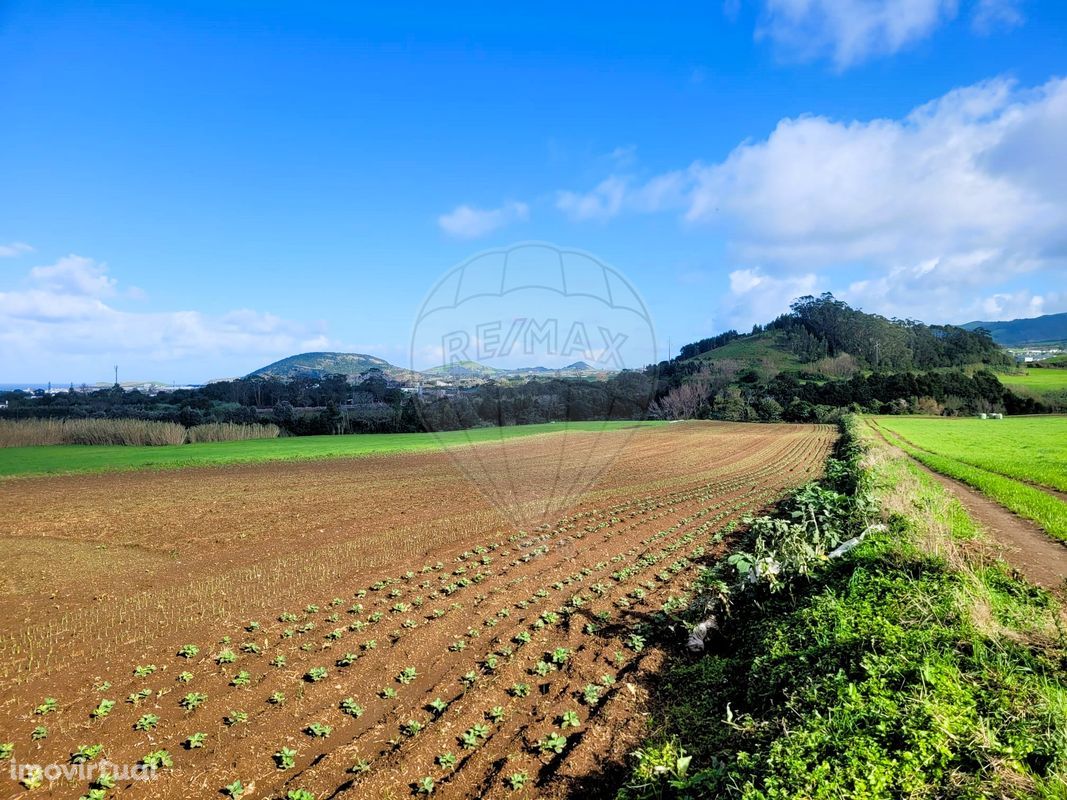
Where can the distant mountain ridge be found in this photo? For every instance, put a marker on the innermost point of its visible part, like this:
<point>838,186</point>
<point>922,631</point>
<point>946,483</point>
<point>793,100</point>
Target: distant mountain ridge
<point>320,364</point>
<point>1017,332</point>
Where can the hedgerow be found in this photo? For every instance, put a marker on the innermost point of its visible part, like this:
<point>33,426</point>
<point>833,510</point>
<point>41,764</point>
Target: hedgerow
<point>867,676</point>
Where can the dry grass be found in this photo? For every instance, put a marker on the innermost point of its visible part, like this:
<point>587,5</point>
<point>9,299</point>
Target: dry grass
<point>33,432</point>
<point>232,432</point>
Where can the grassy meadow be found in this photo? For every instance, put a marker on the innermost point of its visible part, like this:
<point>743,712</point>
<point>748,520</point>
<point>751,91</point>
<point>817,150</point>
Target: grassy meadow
<point>66,459</point>
<point>1008,460</point>
<point>1038,380</point>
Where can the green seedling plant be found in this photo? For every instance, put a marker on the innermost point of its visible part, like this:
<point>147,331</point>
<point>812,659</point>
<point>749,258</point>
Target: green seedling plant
<point>285,758</point>
<point>388,693</point>
<point>411,728</point>
<point>315,674</point>
<point>226,656</point>
<point>350,707</point>
<point>47,707</point>
<point>318,730</point>
<point>520,690</point>
<point>188,651</point>
<point>569,719</point>
<point>144,671</point>
<point>146,722</point>
<point>517,781</point>
<point>86,753</point>
<point>192,701</point>
<point>425,785</point>
<point>195,741</point>
<point>446,761</point>
<point>235,718</point>
<point>39,733</point>
<point>103,708</point>
<point>158,759</point>
<point>235,790</point>
<point>553,743</point>
<point>407,675</point>
<point>242,678</point>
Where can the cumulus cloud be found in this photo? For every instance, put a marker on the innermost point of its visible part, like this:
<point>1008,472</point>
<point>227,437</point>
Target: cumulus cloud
<point>14,249</point>
<point>967,191</point>
<point>756,297</point>
<point>468,222</point>
<point>64,318</point>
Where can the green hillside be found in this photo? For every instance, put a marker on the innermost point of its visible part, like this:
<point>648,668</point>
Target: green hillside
<point>317,365</point>
<point>1038,330</point>
<point>764,352</point>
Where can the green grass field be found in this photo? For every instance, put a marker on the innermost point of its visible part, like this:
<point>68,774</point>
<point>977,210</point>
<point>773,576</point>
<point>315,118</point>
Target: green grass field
<point>64,459</point>
<point>1000,458</point>
<point>1031,449</point>
<point>1038,380</point>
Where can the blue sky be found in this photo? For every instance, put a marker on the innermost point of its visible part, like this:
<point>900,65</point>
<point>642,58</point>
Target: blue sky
<point>192,190</point>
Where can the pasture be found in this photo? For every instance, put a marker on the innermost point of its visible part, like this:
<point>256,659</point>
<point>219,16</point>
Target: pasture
<point>70,459</point>
<point>1038,380</point>
<point>1020,462</point>
<point>365,627</point>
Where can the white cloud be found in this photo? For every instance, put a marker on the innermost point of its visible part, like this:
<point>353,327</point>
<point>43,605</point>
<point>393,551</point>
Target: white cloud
<point>62,320</point>
<point>467,222</point>
<point>963,194</point>
<point>618,193</point>
<point>14,249</point>
<point>756,297</point>
<point>849,31</point>
<point>992,15</point>
<point>74,275</point>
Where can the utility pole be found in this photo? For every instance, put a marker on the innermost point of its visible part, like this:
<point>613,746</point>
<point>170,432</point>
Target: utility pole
<point>116,374</point>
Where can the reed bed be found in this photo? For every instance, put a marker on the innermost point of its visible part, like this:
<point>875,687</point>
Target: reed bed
<point>232,432</point>
<point>33,432</point>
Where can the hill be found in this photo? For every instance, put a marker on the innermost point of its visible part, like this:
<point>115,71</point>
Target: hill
<point>318,365</point>
<point>1016,332</point>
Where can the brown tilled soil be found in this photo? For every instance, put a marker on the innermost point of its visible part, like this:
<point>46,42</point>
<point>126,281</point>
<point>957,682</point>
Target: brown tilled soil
<point>366,568</point>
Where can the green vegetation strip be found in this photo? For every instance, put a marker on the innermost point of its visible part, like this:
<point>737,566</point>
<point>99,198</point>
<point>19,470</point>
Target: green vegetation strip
<point>1039,380</point>
<point>892,672</point>
<point>1032,449</point>
<point>1027,501</point>
<point>66,459</point>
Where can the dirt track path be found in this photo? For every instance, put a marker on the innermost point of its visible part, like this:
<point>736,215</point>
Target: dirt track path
<point>1028,548</point>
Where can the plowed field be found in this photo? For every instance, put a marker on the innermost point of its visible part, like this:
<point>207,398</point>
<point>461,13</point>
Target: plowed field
<point>375,626</point>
